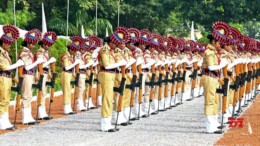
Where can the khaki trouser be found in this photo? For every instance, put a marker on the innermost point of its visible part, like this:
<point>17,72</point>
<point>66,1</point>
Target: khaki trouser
<point>116,94</point>
<point>44,89</point>
<point>66,86</point>
<point>145,89</point>
<point>188,81</point>
<point>5,94</point>
<point>210,85</point>
<point>156,89</point>
<point>27,90</point>
<point>127,92</point>
<point>82,86</point>
<point>106,80</point>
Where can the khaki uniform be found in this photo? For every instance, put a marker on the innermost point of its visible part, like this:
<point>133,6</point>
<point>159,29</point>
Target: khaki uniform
<point>83,87</point>
<point>210,84</point>
<point>118,56</point>
<point>138,54</point>
<point>5,82</point>
<point>41,53</point>
<point>147,59</point>
<point>28,78</point>
<point>66,76</point>
<point>161,57</point>
<point>168,94</point>
<point>155,57</point>
<point>189,69</point>
<point>106,80</point>
<point>174,57</point>
<point>129,75</point>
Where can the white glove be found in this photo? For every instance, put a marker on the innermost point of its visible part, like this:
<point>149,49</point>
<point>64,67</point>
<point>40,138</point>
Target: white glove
<point>113,66</point>
<point>192,61</point>
<point>31,66</point>
<point>184,60</point>
<point>86,65</point>
<point>52,60</point>
<point>223,63</point>
<point>76,62</point>
<point>95,52</point>
<point>158,63</point>
<point>173,61</point>
<point>139,61</point>
<point>130,62</point>
<point>16,65</point>
<point>149,64</point>
<point>200,63</point>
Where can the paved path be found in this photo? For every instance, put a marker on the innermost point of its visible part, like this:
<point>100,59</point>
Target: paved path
<point>183,125</point>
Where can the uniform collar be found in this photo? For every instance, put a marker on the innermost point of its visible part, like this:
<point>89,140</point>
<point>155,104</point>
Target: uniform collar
<point>68,53</point>
<point>3,50</point>
<point>86,53</point>
<point>211,47</point>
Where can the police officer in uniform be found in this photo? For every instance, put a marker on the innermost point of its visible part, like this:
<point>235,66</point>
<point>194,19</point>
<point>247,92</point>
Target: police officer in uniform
<point>68,63</point>
<point>11,33</point>
<point>47,41</point>
<point>106,77</point>
<point>31,38</point>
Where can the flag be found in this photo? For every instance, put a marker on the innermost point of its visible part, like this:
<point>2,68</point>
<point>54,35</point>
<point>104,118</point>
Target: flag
<point>44,26</point>
<point>192,35</point>
<point>82,32</point>
<point>106,32</point>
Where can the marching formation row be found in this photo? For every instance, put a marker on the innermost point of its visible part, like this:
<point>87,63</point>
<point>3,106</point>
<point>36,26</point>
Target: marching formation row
<point>138,74</point>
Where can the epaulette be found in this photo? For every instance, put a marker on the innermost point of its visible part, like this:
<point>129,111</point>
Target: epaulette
<point>117,50</point>
<point>63,56</point>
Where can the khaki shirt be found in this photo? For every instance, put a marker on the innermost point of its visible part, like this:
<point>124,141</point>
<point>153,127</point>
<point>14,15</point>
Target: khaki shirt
<point>210,57</point>
<point>147,56</point>
<point>27,56</point>
<point>106,56</point>
<point>66,59</point>
<point>41,53</point>
<point>5,60</point>
<point>86,57</point>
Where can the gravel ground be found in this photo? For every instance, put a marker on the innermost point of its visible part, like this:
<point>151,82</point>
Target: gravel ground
<point>183,125</point>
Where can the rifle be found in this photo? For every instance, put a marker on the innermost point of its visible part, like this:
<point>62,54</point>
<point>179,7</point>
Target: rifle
<point>193,77</point>
<point>133,84</point>
<point>200,86</point>
<point>183,81</point>
<point>178,79</point>
<point>173,83</point>
<point>166,83</point>
<point>120,90</point>
<point>256,78</point>
<point>253,80</point>
<point>242,82</point>
<point>140,82</point>
<point>236,88</point>
<point>18,89</point>
<point>51,84</point>
<point>248,83</point>
<point>98,87</point>
<point>39,87</point>
<point>76,86</point>
<point>90,82</point>
<point>151,87</point>
<point>160,86</point>
<point>224,91</point>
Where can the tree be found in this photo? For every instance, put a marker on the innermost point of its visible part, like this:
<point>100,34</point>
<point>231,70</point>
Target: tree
<point>23,15</point>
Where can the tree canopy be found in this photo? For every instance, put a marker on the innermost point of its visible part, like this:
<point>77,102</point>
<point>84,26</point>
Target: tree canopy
<point>160,16</point>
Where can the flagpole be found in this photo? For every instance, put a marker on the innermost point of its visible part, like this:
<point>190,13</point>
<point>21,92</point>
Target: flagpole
<point>67,29</point>
<point>118,12</point>
<point>15,40</point>
<point>96,18</point>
